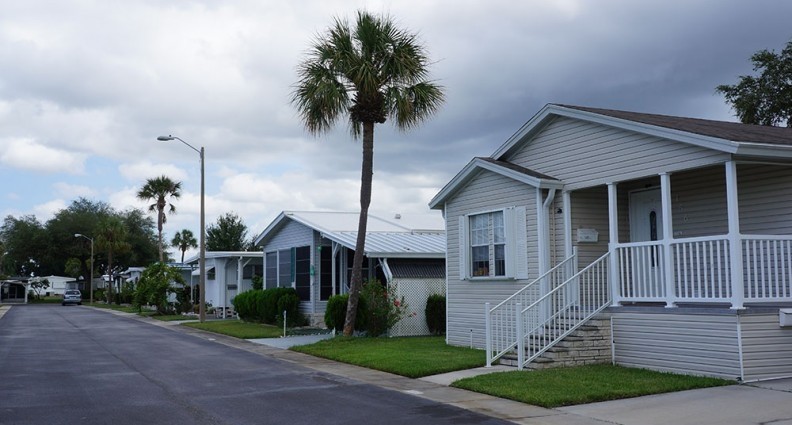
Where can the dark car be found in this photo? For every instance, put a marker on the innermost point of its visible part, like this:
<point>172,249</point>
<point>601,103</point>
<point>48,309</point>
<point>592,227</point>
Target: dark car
<point>72,296</point>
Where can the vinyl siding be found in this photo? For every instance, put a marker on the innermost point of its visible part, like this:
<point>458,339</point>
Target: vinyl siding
<point>582,154</point>
<point>765,194</point>
<point>767,347</point>
<point>486,191</point>
<point>590,211</point>
<point>293,235</point>
<point>698,344</point>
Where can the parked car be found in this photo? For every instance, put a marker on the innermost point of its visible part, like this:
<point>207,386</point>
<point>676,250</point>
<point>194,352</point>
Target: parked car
<point>72,296</point>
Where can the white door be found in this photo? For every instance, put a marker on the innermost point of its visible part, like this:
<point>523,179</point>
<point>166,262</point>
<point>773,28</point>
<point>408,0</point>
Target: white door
<point>646,224</point>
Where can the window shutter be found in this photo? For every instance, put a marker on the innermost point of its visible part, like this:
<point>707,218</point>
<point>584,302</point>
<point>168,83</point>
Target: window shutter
<point>463,247</point>
<point>519,236</point>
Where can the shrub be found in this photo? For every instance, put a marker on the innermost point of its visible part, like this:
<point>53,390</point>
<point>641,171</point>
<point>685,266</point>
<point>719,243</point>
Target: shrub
<point>383,308</point>
<point>257,282</point>
<point>436,314</point>
<point>155,285</point>
<point>290,303</point>
<point>335,313</point>
<point>264,305</point>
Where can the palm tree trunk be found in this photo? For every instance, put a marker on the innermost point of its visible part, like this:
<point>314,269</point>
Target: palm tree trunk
<point>160,214</point>
<point>110,276</point>
<point>367,170</point>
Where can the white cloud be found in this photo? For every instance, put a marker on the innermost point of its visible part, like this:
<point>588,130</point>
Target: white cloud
<point>72,191</point>
<point>47,210</point>
<point>144,170</point>
<point>27,153</point>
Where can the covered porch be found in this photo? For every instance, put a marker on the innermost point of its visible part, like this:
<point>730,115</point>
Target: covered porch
<point>712,235</point>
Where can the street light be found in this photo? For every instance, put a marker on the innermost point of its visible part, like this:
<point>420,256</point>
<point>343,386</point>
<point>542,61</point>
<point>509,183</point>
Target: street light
<point>202,260</point>
<point>78,235</point>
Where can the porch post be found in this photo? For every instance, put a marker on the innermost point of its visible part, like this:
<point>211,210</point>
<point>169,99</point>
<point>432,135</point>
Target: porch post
<point>613,241</point>
<point>735,241</point>
<point>567,217</point>
<point>541,233</point>
<point>668,237</point>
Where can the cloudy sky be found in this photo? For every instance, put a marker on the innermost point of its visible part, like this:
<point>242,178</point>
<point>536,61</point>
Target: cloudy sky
<point>86,86</point>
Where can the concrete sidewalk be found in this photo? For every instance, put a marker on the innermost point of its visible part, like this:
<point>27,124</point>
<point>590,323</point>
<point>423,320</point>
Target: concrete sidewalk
<point>757,403</point>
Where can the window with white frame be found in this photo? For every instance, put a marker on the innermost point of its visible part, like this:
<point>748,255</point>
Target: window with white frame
<point>493,244</point>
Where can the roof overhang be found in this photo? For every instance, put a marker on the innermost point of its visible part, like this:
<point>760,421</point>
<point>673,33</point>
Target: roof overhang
<point>475,166</point>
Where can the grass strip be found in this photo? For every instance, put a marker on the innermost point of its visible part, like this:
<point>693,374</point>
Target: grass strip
<point>582,384</point>
<point>413,357</point>
<point>171,317</point>
<point>238,328</point>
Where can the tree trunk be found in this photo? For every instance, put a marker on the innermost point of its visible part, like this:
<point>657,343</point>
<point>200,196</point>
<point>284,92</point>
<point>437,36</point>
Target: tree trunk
<point>367,170</point>
<point>110,276</point>
<point>159,228</point>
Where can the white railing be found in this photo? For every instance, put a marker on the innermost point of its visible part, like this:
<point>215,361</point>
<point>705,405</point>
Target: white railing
<point>641,271</point>
<point>767,268</point>
<point>500,321</point>
<point>562,310</point>
<point>702,270</point>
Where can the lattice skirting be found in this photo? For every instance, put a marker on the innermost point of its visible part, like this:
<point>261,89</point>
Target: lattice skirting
<point>415,293</point>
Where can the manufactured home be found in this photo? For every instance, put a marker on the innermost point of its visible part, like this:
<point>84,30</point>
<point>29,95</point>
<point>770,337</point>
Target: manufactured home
<point>673,234</point>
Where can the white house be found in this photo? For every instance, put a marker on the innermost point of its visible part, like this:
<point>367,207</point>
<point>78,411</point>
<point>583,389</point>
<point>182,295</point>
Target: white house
<point>313,252</point>
<point>679,228</point>
<point>228,273</point>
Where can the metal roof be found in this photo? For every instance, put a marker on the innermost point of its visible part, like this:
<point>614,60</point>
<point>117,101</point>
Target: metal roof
<point>403,236</point>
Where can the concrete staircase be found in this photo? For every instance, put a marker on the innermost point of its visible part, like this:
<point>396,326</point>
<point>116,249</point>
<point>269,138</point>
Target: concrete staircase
<point>588,344</point>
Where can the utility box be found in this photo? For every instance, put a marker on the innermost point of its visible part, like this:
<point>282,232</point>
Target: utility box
<point>785,317</point>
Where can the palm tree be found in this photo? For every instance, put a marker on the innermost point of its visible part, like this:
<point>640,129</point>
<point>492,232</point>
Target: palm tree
<point>366,73</point>
<point>111,238</point>
<point>184,240</point>
<point>157,190</point>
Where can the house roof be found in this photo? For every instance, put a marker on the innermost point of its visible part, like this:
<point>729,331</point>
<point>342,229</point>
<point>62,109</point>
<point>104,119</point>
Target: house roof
<point>417,269</point>
<point>225,254</point>
<point>404,235</point>
<point>731,137</point>
<point>503,168</point>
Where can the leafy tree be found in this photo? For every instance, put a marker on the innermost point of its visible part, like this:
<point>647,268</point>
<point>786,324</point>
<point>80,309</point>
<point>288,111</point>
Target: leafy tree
<point>142,238</point>
<point>765,99</point>
<point>73,267</point>
<point>155,283</point>
<point>25,242</point>
<point>38,285</point>
<point>81,216</point>
<point>228,234</point>
<point>367,73</point>
<point>111,238</point>
<point>183,241</point>
<point>158,190</point>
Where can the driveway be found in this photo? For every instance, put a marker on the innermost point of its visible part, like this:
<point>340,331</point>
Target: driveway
<point>66,365</point>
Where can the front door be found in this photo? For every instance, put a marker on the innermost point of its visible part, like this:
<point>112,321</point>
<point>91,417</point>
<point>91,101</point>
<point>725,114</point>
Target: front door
<point>646,225</point>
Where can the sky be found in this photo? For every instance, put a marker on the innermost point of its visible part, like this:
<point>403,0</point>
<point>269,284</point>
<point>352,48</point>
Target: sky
<point>86,86</point>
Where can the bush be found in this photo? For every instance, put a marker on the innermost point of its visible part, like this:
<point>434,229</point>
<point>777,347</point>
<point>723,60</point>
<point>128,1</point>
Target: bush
<point>335,313</point>
<point>257,282</point>
<point>383,308</point>
<point>154,286</point>
<point>290,303</point>
<point>436,314</point>
<point>265,306</point>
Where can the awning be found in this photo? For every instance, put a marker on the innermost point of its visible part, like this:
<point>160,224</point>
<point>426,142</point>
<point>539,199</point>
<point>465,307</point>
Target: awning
<point>197,272</point>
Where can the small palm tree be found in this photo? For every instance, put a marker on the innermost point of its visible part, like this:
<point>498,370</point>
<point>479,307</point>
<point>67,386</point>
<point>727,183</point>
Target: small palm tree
<point>111,239</point>
<point>157,190</point>
<point>183,241</point>
<point>366,73</point>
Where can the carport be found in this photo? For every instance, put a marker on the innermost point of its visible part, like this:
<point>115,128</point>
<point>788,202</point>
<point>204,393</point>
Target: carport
<point>14,292</point>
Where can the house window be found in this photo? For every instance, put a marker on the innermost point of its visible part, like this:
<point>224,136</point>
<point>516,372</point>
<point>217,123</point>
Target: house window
<point>271,276</point>
<point>251,270</point>
<point>210,274</point>
<point>487,244</point>
<point>285,271</point>
<point>302,269</point>
<point>494,244</point>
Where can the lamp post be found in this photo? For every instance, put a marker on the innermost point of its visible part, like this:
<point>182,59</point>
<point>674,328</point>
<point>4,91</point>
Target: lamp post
<point>202,260</point>
<point>90,283</point>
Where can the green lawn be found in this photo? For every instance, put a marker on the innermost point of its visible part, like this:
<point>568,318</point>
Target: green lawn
<point>413,357</point>
<point>583,384</point>
<point>45,300</point>
<point>172,317</point>
<point>238,328</point>
<point>124,308</point>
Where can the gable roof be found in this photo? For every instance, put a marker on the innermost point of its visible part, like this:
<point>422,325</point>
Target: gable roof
<point>503,168</point>
<point>730,137</point>
<point>404,236</point>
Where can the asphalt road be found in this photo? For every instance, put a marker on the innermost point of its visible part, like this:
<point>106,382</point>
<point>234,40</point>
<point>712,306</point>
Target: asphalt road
<point>76,365</point>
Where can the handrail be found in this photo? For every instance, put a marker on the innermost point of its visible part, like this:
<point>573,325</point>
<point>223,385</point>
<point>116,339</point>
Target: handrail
<point>500,334</point>
<point>564,317</point>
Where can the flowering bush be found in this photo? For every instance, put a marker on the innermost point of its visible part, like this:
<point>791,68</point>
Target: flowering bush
<point>383,308</point>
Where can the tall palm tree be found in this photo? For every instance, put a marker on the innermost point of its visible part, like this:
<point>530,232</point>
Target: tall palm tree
<point>366,73</point>
<point>184,240</point>
<point>157,190</point>
<point>111,238</point>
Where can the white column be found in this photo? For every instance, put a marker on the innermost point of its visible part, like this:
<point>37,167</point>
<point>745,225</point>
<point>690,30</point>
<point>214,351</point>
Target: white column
<point>613,241</point>
<point>735,241</point>
<point>567,217</point>
<point>668,236</point>
<point>541,233</point>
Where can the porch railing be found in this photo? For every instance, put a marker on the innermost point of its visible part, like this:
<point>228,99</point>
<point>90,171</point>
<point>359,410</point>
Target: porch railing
<point>701,270</point>
<point>563,309</point>
<point>500,321</point>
